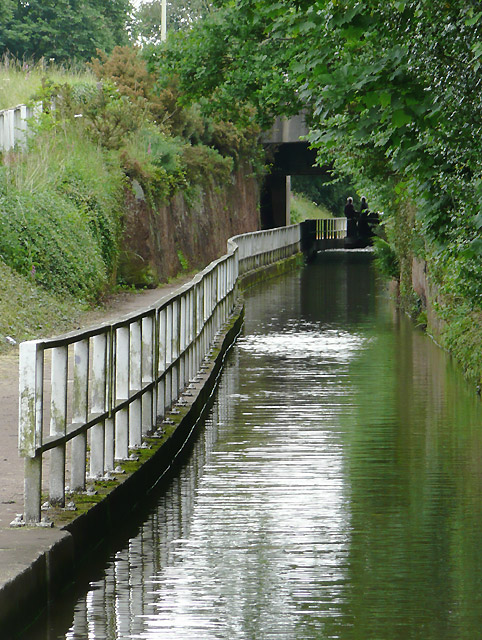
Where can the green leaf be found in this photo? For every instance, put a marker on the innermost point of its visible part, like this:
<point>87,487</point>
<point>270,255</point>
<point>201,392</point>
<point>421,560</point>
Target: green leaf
<point>400,118</point>
<point>471,21</point>
<point>474,249</point>
<point>371,99</point>
<point>385,99</point>
<point>478,220</point>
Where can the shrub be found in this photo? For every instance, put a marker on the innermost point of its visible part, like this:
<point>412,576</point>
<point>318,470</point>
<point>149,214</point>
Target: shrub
<point>386,259</point>
<point>155,160</point>
<point>60,204</point>
<point>126,70</point>
<point>45,236</point>
<point>205,165</point>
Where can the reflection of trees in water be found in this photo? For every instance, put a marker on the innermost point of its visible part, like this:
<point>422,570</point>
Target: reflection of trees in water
<point>338,288</point>
<point>414,556</point>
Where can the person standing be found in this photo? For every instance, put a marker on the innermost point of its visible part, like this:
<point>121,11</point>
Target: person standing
<point>364,230</point>
<point>351,217</point>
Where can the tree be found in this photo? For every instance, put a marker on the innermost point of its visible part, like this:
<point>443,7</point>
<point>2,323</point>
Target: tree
<point>6,12</point>
<point>392,88</point>
<point>64,29</point>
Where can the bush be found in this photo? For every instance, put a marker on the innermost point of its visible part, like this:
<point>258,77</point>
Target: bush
<point>386,259</point>
<point>46,237</point>
<point>60,206</point>
<point>204,165</point>
<point>155,160</point>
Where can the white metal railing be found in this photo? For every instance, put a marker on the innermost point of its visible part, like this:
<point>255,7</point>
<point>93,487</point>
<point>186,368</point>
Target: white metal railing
<point>261,248</point>
<point>14,125</point>
<point>90,396</point>
<point>331,228</point>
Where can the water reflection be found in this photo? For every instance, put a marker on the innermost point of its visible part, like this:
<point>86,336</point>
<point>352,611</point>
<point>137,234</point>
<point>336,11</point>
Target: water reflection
<point>334,493</point>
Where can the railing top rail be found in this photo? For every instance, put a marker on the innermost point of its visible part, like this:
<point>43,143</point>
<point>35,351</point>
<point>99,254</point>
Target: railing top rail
<point>17,106</point>
<point>261,232</point>
<point>163,302</point>
<point>159,305</point>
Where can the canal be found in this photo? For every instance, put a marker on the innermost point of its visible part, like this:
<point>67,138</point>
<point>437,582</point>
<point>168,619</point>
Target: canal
<point>334,491</point>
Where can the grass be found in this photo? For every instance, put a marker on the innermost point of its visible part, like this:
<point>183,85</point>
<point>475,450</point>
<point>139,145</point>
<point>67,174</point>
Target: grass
<point>304,209</point>
<point>28,311</point>
<point>19,82</point>
<point>462,336</point>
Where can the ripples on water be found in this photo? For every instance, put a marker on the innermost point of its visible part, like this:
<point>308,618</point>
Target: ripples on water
<point>334,493</point>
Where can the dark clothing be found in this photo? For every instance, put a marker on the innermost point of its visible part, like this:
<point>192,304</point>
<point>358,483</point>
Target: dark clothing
<point>350,211</point>
<point>363,226</point>
<point>364,229</point>
<point>351,216</point>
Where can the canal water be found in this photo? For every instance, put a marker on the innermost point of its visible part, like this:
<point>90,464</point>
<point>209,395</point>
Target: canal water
<point>335,490</point>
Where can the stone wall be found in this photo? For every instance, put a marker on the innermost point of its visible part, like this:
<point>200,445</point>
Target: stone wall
<point>185,234</point>
<point>428,294</point>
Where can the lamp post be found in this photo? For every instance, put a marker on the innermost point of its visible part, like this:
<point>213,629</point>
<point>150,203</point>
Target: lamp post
<point>163,20</point>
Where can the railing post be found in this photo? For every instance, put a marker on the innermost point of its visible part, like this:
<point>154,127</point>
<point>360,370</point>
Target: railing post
<point>80,408</point>
<point>99,391</point>
<point>175,337</point>
<point>192,329</point>
<point>122,366</point>
<point>135,385</point>
<point>183,321</point>
<point>161,363</point>
<point>169,354</point>
<point>147,372</point>
<point>30,425</point>
<point>109,426</point>
<point>58,423</point>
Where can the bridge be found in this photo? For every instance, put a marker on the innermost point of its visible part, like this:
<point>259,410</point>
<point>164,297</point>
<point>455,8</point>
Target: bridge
<point>291,155</point>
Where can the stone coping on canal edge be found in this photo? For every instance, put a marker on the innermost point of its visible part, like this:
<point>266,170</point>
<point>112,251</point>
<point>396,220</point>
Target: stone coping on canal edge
<point>37,564</point>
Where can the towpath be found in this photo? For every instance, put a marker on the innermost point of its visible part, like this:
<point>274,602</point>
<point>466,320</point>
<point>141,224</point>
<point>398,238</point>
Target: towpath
<point>11,465</point>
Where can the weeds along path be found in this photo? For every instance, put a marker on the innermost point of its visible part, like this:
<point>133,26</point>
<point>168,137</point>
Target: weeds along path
<point>11,465</point>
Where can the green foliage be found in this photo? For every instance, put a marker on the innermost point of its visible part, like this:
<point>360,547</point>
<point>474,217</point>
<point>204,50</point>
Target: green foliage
<point>45,236</point>
<point>386,259</point>
<point>125,68</point>
<point>461,335</point>
<point>221,57</point>
<point>180,15</point>
<point>156,161</point>
<point>326,192</point>
<point>304,209</point>
<point>64,30</point>
<point>60,222</point>
<point>182,260</point>
<point>109,116</point>
<point>28,311</point>
<point>204,165</point>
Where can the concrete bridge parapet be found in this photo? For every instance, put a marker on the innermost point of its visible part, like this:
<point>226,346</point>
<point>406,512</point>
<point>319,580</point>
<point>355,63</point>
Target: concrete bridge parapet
<point>291,155</point>
<point>285,130</point>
